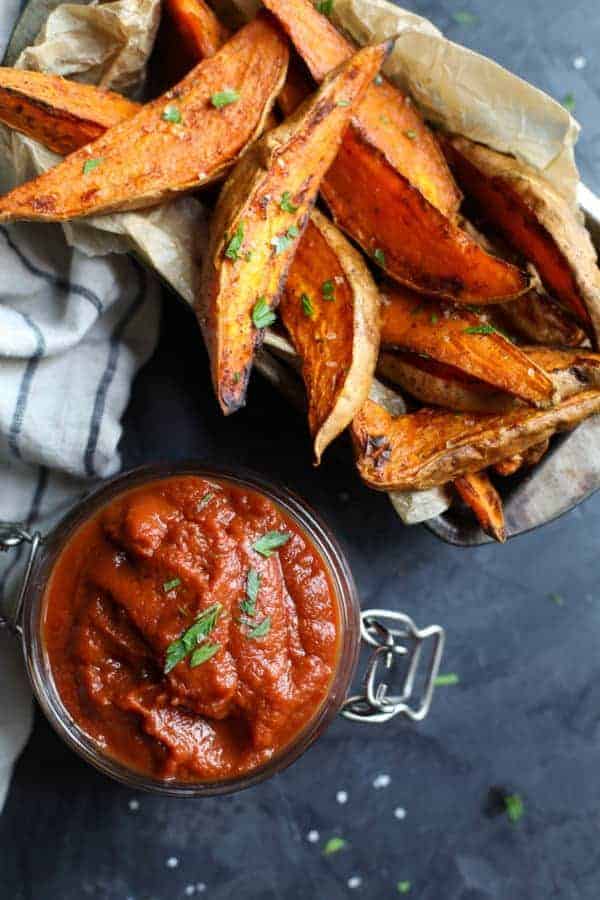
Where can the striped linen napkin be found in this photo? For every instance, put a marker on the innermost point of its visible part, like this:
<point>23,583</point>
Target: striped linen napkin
<point>74,330</point>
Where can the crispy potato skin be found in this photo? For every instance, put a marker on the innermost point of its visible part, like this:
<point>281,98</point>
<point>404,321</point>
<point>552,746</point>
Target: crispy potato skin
<point>63,115</point>
<point>528,458</point>
<point>535,317</point>
<point>421,247</point>
<point>534,219</point>
<point>481,496</point>
<point>430,447</point>
<point>338,342</point>
<point>146,160</point>
<point>441,331</point>
<point>385,117</point>
<point>290,160</point>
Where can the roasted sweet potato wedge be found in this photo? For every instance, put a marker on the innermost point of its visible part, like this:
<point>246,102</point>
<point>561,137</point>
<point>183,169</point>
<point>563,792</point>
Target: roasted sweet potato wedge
<point>330,308</point>
<point>571,370</point>
<point>402,208</point>
<point>261,213</point>
<point>459,338</point>
<point>536,220</point>
<point>536,318</point>
<point>431,447</point>
<point>63,115</point>
<point>437,384</point>
<point>528,458</point>
<point>481,496</point>
<point>200,32</point>
<point>186,138</point>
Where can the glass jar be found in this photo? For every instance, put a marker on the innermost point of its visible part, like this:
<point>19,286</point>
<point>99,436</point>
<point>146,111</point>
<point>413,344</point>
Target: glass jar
<point>376,706</point>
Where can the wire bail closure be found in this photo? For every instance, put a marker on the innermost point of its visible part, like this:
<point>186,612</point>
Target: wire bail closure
<point>14,535</point>
<point>400,638</point>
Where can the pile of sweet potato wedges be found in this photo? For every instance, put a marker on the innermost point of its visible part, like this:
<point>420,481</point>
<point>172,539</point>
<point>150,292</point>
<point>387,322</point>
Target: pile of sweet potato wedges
<point>340,231</point>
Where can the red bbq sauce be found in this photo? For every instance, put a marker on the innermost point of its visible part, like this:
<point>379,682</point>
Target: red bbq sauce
<point>178,647</point>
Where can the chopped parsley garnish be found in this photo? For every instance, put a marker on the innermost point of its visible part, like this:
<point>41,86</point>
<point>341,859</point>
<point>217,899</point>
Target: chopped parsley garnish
<point>447,680</point>
<point>286,203</point>
<point>378,80</point>
<point>328,289</point>
<point>334,845</point>
<point>568,101</point>
<point>224,98</point>
<point>262,314</point>
<point>325,7</point>
<point>270,542</point>
<point>385,120</point>
<point>343,103</point>
<point>464,17</point>
<point>171,114</point>
<point>434,318</point>
<point>203,653</point>
<point>557,598</point>
<point>248,606</point>
<point>171,585</point>
<point>204,501</point>
<point>197,633</point>
<point>403,887</point>
<point>91,164</point>
<point>282,241</point>
<point>235,242</point>
<point>236,377</point>
<point>514,807</point>
<point>480,329</point>
<point>410,134</point>
<point>307,306</point>
<point>260,630</point>
<point>379,256</point>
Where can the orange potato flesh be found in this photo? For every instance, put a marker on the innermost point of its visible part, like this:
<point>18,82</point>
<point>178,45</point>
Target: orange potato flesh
<point>290,161</point>
<point>386,118</point>
<point>535,317</point>
<point>481,496</point>
<point>146,159</point>
<point>431,447</point>
<point>528,458</point>
<point>330,308</point>
<point>63,115</point>
<point>200,32</point>
<point>417,245</point>
<point>443,332</point>
<point>507,211</point>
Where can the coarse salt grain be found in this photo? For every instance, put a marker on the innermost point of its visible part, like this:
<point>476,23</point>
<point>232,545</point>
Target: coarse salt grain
<point>354,882</point>
<point>580,62</point>
<point>312,837</point>
<point>342,797</point>
<point>381,781</point>
<point>200,887</point>
<point>190,890</point>
<point>134,805</point>
<point>172,862</point>
<point>400,812</point>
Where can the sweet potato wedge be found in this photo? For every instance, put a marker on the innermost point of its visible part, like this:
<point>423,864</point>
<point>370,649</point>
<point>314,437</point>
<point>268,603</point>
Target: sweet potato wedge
<point>261,213</point>
<point>481,496</point>
<point>459,338</point>
<point>430,447</point>
<point>536,318</point>
<point>528,458</point>
<point>200,32</point>
<point>536,220</point>
<point>330,308</point>
<point>437,384</point>
<point>182,140</point>
<point>63,115</point>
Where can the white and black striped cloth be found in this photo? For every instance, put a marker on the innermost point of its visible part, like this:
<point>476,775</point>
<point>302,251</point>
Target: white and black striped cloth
<point>74,331</point>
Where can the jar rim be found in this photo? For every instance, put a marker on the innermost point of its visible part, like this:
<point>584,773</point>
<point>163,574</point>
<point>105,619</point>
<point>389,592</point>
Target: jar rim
<point>40,672</point>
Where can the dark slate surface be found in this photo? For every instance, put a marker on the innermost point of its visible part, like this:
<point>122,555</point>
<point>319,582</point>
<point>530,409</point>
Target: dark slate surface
<point>524,717</point>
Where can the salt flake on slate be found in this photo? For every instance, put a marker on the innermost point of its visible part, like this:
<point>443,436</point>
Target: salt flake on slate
<point>172,862</point>
<point>312,837</point>
<point>580,62</point>
<point>342,797</point>
<point>400,812</point>
<point>200,887</point>
<point>190,890</point>
<point>381,781</point>
<point>134,805</point>
<point>354,881</point>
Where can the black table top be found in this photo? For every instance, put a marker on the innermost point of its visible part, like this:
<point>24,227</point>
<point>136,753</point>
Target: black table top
<point>523,625</point>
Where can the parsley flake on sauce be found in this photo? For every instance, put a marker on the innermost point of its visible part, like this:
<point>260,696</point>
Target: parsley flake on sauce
<point>235,242</point>
<point>203,653</point>
<point>197,633</point>
<point>224,98</point>
<point>204,501</point>
<point>270,542</point>
<point>91,164</point>
<point>171,585</point>
<point>260,630</point>
<point>248,606</point>
<point>171,114</point>
<point>286,203</point>
<point>334,845</point>
<point>262,314</point>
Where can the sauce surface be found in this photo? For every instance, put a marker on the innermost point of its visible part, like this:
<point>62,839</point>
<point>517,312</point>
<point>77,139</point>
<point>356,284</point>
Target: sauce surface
<point>176,645</point>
